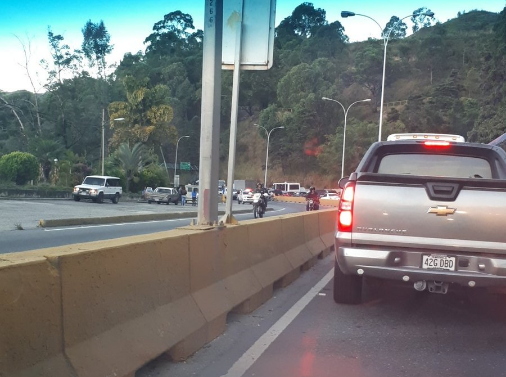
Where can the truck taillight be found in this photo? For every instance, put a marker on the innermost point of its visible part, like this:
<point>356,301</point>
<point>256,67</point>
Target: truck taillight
<point>345,212</point>
<point>437,143</point>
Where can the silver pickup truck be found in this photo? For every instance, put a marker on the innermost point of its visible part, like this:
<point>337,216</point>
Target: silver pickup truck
<point>426,210</point>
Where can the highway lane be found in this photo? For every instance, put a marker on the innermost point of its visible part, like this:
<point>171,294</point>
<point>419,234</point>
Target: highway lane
<point>397,331</point>
<point>33,237</point>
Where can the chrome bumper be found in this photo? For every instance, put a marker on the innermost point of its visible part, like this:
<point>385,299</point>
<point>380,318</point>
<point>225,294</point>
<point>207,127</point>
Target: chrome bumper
<point>401,265</point>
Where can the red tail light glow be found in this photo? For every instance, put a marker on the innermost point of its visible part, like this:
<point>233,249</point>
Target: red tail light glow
<point>436,143</point>
<point>345,212</point>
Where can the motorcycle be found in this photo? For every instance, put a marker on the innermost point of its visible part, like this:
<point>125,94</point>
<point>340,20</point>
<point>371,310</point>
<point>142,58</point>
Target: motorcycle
<point>259,205</point>
<point>312,205</point>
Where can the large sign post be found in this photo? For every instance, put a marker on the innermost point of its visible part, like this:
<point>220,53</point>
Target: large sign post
<point>248,40</point>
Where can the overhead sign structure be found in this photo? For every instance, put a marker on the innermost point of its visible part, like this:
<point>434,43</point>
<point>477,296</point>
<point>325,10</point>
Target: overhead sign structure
<point>257,39</point>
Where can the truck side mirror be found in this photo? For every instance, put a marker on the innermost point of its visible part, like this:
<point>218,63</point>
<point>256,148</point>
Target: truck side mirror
<point>343,181</point>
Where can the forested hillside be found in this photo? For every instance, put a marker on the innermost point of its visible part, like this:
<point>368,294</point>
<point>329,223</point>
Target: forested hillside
<point>445,77</point>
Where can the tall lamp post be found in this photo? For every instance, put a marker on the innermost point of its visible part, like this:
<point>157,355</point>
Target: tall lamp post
<point>344,132</point>
<point>386,36</point>
<point>267,151</point>
<point>175,162</point>
<point>103,137</point>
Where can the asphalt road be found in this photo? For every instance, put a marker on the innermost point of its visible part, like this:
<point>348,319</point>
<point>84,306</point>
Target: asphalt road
<point>397,332</point>
<point>26,215</point>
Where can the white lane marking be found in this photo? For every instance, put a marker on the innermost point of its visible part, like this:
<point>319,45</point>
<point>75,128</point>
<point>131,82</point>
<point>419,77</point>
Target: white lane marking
<point>250,356</point>
<point>139,222</point>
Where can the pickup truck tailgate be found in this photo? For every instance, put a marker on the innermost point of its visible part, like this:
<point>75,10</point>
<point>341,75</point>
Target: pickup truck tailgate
<point>404,215</point>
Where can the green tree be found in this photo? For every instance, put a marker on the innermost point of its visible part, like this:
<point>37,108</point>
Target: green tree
<point>45,151</point>
<point>64,61</point>
<point>420,19</point>
<point>146,113</point>
<point>96,45</point>
<point>305,19</point>
<point>19,167</point>
<point>171,34</point>
<point>369,68</point>
<point>500,30</point>
<point>131,161</point>
<point>396,28</point>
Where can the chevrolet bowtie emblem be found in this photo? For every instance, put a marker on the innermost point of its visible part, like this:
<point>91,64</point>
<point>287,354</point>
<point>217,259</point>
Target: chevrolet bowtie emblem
<point>442,210</point>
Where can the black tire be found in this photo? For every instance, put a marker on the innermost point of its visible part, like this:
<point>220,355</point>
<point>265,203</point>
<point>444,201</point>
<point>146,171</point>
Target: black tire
<point>149,201</point>
<point>347,288</point>
<point>158,202</point>
<point>77,198</point>
<point>115,199</point>
<point>255,212</point>
<point>176,202</point>
<point>100,198</point>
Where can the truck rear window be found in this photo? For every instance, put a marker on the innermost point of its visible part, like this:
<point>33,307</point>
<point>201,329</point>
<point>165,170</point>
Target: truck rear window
<point>439,165</point>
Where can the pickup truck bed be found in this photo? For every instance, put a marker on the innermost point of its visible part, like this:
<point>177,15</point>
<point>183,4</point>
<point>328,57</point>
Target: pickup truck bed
<point>424,215</point>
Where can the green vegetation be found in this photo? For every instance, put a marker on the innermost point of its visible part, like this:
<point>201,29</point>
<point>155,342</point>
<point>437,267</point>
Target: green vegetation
<point>19,167</point>
<point>448,76</point>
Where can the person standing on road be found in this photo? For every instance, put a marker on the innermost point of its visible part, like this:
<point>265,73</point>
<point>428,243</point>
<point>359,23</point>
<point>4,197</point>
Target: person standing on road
<point>194,197</point>
<point>183,196</point>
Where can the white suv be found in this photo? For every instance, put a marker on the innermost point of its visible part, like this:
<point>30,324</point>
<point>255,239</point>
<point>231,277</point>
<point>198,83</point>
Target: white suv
<point>98,188</point>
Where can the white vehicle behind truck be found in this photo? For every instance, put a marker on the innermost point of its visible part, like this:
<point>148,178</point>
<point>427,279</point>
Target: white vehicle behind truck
<point>425,210</point>
<point>97,188</point>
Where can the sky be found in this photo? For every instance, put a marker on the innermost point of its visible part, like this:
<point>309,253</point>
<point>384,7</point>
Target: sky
<point>129,22</point>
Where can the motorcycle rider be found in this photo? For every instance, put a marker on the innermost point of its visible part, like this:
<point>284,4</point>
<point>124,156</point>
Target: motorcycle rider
<point>316,199</point>
<point>262,190</point>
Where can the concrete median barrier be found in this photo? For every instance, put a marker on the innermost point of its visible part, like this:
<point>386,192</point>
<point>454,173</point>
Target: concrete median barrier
<point>297,251</point>
<point>107,308</point>
<point>127,301</point>
<point>327,222</point>
<point>290,199</point>
<point>31,318</point>
<point>221,278</point>
<point>267,256</point>
<point>312,234</point>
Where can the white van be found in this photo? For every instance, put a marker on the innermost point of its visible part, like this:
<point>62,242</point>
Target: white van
<point>288,187</point>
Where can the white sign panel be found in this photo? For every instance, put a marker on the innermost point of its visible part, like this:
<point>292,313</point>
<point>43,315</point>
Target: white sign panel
<point>257,33</point>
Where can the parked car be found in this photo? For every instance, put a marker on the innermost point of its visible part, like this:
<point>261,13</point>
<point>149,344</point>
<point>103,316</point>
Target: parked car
<point>245,196</point>
<point>163,195</point>
<point>98,188</point>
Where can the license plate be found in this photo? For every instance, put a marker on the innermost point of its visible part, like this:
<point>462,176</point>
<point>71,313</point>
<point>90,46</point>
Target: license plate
<point>438,262</point>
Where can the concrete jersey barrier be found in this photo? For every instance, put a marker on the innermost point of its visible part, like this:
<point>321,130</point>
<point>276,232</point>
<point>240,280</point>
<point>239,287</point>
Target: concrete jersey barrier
<point>106,308</point>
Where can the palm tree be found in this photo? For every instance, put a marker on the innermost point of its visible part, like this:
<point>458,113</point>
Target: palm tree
<point>46,151</point>
<point>131,160</point>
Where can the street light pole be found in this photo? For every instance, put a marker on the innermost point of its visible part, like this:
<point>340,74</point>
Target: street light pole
<point>103,139</point>
<point>267,151</point>
<point>344,132</point>
<point>175,162</point>
<point>386,36</point>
